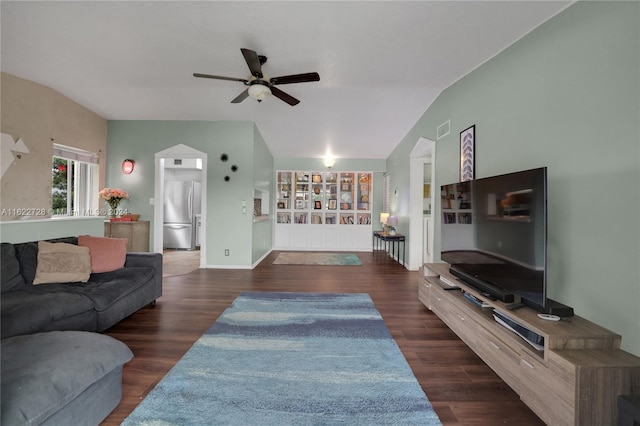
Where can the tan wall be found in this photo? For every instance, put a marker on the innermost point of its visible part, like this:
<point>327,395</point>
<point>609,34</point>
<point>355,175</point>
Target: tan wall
<point>41,116</point>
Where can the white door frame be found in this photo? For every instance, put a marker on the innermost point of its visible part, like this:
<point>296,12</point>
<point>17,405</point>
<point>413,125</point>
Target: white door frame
<point>424,151</point>
<point>178,151</point>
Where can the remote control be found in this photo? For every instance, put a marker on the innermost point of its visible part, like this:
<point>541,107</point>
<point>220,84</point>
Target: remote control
<point>548,317</point>
<point>453,287</point>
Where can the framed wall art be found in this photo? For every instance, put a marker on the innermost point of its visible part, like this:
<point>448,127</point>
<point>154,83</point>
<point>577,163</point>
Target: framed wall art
<point>467,154</point>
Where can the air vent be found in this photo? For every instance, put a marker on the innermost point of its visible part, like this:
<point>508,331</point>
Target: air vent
<point>443,129</point>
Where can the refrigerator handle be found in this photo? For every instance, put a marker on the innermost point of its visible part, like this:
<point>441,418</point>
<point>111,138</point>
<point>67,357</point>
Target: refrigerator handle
<point>190,203</point>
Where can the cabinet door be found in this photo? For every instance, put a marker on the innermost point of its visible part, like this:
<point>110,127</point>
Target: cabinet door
<point>122,230</point>
<point>139,236</point>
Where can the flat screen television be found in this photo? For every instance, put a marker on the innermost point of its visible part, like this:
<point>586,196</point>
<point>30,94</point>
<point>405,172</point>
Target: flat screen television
<point>494,234</point>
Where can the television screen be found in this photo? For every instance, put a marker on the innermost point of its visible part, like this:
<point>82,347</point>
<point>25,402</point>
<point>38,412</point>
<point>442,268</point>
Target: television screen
<point>493,234</point>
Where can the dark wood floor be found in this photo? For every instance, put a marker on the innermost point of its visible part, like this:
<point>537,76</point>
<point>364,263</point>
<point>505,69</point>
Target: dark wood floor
<point>462,389</point>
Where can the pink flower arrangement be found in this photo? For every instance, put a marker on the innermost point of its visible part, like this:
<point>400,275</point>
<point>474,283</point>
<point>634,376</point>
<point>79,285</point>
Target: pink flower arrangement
<point>113,196</point>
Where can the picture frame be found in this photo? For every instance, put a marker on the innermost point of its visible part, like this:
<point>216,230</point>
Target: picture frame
<point>281,205</point>
<point>317,204</point>
<point>467,154</point>
<point>333,204</point>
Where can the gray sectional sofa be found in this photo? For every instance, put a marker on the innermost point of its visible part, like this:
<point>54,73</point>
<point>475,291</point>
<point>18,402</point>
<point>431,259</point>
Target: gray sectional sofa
<point>56,366</point>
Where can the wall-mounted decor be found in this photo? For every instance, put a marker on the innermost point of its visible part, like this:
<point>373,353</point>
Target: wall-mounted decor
<point>467,155</point>
<point>11,150</point>
<point>227,178</point>
<point>234,168</point>
<point>224,157</point>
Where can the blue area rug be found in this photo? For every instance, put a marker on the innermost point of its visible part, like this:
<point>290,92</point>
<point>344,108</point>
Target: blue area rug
<point>291,359</point>
<point>315,258</point>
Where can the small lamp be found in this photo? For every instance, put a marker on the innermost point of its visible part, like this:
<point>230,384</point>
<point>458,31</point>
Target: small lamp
<point>383,220</point>
<point>127,166</point>
<point>392,222</point>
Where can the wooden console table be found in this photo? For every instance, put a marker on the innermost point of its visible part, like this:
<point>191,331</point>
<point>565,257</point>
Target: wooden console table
<point>386,238</point>
<point>136,233</point>
<point>576,377</point>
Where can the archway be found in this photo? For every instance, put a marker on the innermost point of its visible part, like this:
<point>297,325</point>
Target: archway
<point>423,152</point>
<point>184,152</point>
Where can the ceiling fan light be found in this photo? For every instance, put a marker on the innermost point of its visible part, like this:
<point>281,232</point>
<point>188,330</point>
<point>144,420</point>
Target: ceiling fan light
<point>259,92</point>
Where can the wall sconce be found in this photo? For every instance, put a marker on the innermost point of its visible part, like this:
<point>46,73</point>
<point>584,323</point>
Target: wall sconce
<point>127,166</point>
<point>392,222</point>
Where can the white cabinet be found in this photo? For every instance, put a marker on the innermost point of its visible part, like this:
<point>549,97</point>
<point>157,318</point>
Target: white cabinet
<point>323,210</point>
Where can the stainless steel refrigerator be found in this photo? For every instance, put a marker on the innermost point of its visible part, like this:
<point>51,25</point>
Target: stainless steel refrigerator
<point>181,205</point>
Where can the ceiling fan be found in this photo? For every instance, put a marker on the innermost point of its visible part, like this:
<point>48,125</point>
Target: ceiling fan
<point>259,85</point>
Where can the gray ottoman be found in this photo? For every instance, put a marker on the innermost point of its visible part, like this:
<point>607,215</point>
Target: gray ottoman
<point>61,378</point>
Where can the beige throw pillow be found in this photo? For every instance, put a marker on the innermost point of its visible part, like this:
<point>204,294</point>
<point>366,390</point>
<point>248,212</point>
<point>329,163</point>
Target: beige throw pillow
<point>62,263</point>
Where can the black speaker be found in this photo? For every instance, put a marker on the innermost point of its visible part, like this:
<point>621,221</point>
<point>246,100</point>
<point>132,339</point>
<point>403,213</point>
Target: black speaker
<point>556,308</point>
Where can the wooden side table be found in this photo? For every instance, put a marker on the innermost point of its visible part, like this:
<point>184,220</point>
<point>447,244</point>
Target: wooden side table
<point>136,233</point>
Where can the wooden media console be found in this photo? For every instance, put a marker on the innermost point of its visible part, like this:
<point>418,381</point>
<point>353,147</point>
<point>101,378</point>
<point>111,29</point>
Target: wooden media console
<point>573,378</point>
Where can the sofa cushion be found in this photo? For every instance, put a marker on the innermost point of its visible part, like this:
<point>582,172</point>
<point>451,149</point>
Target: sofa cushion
<point>27,312</point>
<point>42,373</point>
<point>62,263</point>
<point>11,278</point>
<point>107,254</point>
<point>107,288</point>
<point>27,254</point>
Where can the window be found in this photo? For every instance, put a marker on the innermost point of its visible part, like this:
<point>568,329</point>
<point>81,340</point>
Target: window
<point>74,186</point>
<point>386,194</point>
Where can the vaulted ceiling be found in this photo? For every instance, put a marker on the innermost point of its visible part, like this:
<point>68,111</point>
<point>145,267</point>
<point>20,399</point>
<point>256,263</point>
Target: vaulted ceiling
<point>381,64</point>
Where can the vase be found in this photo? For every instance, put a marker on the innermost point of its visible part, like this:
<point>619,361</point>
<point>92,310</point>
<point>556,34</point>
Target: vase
<point>113,209</point>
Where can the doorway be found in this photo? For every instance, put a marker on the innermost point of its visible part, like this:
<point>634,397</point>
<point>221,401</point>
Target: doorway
<point>196,162</point>
<point>421,225</point>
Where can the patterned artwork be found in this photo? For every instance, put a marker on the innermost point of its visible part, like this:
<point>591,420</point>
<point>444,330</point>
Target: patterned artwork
<point>467,159</point>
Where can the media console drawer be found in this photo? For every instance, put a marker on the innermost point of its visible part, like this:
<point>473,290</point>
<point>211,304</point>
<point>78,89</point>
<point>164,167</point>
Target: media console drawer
<point>501,357</point>
<point>548,391</point>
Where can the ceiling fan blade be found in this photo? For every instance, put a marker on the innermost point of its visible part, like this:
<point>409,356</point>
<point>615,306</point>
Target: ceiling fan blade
<point>296,78</point>
<point>253,62</point>
<point>284,96</point>
<point>241,97</point>
<point>219,77</point>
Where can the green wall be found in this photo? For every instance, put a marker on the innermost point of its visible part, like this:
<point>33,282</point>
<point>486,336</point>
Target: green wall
<point>566,96</point>
<point>18,231</point>
<point>227,226</point>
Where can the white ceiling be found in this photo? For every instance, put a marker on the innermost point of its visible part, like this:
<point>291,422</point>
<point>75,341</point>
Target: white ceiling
<point>381,64</point>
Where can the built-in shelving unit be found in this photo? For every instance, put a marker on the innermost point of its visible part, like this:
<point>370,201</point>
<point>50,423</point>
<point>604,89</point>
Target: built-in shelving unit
<point>323,210</point>
<point>574,378</point>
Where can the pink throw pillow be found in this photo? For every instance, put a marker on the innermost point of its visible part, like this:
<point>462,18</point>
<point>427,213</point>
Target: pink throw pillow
<point>107,254</point>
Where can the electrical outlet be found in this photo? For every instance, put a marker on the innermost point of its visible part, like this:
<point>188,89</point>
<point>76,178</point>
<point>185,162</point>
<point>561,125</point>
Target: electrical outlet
<point>226,252</point>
